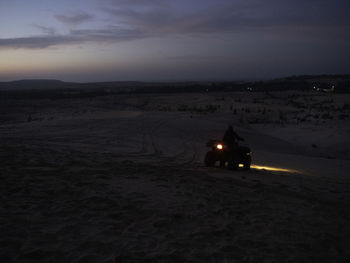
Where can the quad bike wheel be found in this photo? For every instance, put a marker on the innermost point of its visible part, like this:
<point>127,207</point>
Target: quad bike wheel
<point>233,162</point>
<point>222,163</point>
<point>209,159</point>
<point>247,163</point>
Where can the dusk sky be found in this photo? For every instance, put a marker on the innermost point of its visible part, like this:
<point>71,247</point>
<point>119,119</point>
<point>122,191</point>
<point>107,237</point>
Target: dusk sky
<point>163,40</point>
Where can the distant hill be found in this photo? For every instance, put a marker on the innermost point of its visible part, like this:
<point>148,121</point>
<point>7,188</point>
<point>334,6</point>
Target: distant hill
<point>32,84</point>
<point>58,89</point>
<point>319,77</point>
<point>52,84</point>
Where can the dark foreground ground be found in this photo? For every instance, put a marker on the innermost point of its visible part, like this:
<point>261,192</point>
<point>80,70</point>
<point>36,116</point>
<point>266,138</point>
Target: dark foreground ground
<point>121,179</point>
<point>106,211</point>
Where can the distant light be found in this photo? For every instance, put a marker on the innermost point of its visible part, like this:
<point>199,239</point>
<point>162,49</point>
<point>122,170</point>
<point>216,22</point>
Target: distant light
<point>219,146</point>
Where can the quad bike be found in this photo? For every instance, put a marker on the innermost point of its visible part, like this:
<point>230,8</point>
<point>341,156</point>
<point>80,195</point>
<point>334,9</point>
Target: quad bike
<point>222,154</point>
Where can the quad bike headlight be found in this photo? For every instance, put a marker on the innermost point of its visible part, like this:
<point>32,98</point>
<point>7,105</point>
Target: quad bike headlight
<point>219,146</point>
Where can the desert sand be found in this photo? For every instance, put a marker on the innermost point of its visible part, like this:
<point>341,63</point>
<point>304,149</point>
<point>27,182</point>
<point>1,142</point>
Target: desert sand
<point>121,178</point>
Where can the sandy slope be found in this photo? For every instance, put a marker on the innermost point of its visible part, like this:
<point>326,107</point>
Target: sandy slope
<point>124,185</point>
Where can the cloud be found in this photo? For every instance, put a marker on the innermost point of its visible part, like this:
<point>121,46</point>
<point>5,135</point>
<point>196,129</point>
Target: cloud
<point>110,34</point>
<point>136,3</point>
<point>138,19</point>
<point>38,41</point>
<point>46,30</point>
<point>74,19</point>
<point>226,16</point>
<point>190,58</point>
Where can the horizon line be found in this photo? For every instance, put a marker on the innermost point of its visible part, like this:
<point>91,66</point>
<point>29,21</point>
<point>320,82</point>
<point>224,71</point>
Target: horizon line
<point>179,81</point>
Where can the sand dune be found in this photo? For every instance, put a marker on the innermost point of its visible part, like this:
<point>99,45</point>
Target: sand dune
<point>98,181</point>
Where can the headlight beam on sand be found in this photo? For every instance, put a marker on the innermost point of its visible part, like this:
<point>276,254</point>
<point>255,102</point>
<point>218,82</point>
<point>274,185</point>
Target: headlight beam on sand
<point>273,169</point>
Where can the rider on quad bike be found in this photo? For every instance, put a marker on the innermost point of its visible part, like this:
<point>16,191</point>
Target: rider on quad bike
<point>230,139</point>
<point>228,151</point>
